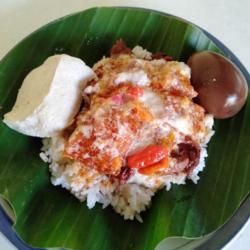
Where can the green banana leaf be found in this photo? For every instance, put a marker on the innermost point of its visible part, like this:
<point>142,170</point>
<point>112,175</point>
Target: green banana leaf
<point>48,216</point>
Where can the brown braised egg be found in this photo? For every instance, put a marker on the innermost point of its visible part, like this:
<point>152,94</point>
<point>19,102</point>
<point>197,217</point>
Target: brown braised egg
<point>221,86</point>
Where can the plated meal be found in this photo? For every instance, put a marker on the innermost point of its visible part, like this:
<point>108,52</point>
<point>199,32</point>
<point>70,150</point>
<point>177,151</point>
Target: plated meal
<point>117,133</point>
<point>75,104</point>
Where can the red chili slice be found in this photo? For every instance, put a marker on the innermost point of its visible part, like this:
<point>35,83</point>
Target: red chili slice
<point>155,167</point>
<point>147,156</point>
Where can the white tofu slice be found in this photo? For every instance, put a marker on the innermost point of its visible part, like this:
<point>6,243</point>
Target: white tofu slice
<point>49,97</point>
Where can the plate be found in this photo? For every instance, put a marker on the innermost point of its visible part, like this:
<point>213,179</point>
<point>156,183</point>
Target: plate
<point>89,35</point>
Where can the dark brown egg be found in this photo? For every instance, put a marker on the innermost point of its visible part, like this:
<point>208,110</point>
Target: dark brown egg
<point>221,86</point>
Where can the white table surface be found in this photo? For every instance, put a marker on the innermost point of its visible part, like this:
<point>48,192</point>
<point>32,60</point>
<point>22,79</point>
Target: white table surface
<point>228,20</point>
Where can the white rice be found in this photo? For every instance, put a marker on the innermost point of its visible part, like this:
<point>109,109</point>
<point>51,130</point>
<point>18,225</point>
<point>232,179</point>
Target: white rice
<point>129,199</point>
<point>141,53</point>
